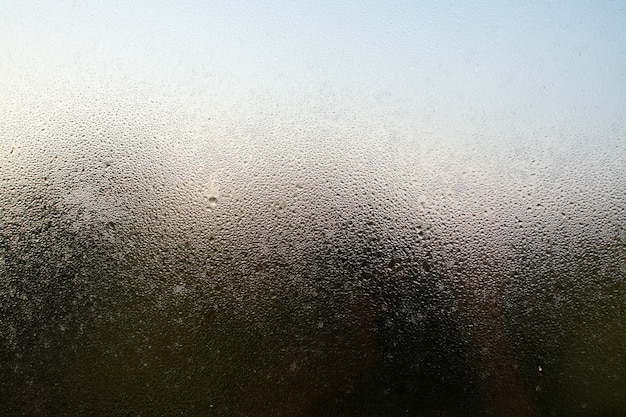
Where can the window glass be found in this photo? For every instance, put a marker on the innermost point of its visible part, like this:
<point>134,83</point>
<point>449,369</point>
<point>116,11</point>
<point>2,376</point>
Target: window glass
<point>295,208</point>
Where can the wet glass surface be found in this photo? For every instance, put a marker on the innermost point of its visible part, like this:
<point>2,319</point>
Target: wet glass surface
<point>303,209</point>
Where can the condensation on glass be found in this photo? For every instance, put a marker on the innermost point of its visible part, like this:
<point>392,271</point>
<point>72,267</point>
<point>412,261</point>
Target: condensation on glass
<point>303,209</point>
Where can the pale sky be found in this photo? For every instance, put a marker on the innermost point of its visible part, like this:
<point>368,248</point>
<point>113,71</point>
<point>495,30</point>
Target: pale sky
<point>485,63</point>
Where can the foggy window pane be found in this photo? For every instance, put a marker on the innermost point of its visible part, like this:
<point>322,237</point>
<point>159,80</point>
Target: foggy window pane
<point>312,209</point>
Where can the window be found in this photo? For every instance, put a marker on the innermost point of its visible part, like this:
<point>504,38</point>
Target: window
<point>312,209</point>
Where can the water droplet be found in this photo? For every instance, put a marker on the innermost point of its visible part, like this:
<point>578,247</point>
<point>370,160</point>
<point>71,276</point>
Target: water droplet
<point>212,202</point>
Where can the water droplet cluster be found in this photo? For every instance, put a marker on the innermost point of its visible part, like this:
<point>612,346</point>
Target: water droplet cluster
<point>213,262</point>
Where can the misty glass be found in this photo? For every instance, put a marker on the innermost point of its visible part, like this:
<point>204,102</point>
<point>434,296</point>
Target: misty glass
<point>312,208</point>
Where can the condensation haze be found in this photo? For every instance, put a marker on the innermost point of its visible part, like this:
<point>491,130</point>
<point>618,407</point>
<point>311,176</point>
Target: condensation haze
<point>312,209</point>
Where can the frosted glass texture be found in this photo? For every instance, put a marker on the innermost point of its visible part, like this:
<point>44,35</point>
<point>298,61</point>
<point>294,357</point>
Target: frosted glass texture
<point>312,208</point>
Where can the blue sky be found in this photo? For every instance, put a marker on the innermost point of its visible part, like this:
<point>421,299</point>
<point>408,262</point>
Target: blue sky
<point>484,64</point>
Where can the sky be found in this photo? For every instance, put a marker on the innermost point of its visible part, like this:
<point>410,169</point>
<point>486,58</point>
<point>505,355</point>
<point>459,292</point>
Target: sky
<point>539,62</point>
